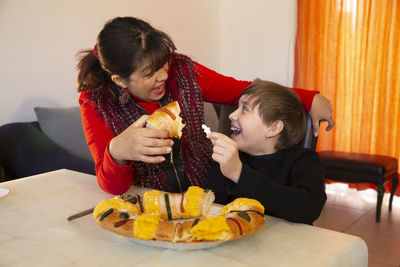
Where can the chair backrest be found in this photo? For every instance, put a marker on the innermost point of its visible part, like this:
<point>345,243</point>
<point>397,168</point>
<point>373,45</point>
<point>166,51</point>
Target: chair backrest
<point>224,126</point>
<point>309,141</point>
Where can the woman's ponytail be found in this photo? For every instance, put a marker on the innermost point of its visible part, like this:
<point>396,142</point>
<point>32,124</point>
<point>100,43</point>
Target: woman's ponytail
<point>91,76</point>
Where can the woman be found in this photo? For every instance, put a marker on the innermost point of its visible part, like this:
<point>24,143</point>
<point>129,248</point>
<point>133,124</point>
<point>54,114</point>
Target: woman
<point>132,71</point>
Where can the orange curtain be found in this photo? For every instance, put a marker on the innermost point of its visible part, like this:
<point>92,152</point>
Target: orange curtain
<point>349,50</point>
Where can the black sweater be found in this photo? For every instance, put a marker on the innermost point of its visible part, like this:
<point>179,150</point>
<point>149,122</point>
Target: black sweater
<point>289,183</point>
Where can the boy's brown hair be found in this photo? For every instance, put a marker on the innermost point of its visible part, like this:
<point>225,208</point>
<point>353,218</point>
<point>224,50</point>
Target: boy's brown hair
<point>278,102</point>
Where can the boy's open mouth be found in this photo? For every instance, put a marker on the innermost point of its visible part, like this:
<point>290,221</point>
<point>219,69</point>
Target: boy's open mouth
<point>236,131</point>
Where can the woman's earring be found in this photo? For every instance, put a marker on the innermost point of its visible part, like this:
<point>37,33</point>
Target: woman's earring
<point>124,96</point>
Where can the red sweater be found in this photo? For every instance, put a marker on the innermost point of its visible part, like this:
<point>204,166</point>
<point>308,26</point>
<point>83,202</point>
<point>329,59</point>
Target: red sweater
<point>116,179</point>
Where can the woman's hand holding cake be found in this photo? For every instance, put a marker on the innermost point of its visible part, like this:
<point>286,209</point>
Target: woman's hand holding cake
<point>148,144</point>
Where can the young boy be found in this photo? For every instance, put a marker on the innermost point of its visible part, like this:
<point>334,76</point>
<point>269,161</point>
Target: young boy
<point>262,159</point>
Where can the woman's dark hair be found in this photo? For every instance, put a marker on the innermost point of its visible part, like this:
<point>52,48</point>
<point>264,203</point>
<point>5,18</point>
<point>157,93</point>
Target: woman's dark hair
<point>124,45</point>
<point>278,102</point>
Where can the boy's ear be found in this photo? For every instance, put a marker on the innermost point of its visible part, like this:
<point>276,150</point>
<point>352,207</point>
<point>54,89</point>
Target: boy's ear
<point>119,81</point>
<point>275,128</point>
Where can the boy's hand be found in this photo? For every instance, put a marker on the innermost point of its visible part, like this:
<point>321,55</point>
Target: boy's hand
<point>225,152</point>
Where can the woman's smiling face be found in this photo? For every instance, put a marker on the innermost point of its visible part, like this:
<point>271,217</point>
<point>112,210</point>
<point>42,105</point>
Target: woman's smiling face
<point>147,85</point>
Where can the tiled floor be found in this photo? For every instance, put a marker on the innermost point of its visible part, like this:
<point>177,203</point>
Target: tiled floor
<point>353,212</point>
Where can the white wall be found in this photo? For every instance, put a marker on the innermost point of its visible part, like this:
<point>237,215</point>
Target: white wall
<point>257,39</point>
<point>39,40</point>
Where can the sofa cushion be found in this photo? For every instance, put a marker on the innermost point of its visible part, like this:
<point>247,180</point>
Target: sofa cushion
<point>64,127</point>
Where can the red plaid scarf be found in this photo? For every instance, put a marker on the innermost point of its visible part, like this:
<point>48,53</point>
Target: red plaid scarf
<point>195,148</point>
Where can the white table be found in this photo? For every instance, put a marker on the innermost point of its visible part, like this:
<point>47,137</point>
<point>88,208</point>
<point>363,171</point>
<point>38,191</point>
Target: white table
<point>34,231</point>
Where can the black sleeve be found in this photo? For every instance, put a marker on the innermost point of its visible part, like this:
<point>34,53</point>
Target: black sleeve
<point>216,182</point>
<point>302,197</point>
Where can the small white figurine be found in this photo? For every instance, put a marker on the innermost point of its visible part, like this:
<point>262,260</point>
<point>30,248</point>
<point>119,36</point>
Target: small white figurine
<point>206,129</point>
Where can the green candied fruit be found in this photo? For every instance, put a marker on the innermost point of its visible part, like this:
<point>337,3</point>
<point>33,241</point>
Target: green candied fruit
<point>124,215</point>
<point>105,214</point>
<point>132,200</point>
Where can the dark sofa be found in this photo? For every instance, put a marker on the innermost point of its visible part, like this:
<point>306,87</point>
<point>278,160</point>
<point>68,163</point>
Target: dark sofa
<point>55,141</point>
